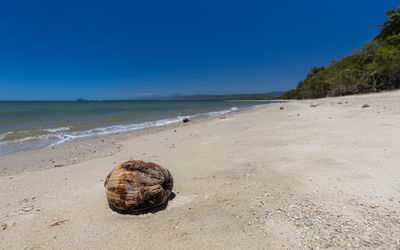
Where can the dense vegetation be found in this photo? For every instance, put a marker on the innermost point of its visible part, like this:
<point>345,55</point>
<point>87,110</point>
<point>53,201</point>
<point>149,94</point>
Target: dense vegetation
<point>376,67</point>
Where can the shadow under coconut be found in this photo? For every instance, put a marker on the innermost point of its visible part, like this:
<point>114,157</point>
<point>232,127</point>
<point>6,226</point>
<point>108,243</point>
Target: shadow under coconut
<point>152,210</point>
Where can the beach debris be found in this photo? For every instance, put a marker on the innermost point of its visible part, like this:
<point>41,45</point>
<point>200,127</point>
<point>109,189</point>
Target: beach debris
<point>281,108</point>
<point>313,105</point>
<point>185,120</point>
<point>27,209</point>
<point>4,169</point>
<point>137,186</point>
<point>222,117</point>
<point>57,223</point>
<point>339,102</point>
<point>58,166</point>
<point>365,106</point>
<point>4,226</point>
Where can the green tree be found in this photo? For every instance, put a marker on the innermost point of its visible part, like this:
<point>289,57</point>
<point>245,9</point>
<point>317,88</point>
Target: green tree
<point>390,27</point>
<point>376,67</point>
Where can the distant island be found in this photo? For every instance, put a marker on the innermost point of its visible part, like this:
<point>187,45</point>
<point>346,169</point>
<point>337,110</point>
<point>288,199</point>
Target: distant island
<point>81,100</point>
<point>376,67</point>
<point>178,97</point>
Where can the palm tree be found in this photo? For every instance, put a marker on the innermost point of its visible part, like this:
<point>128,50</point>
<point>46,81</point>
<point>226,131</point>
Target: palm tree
<point>390,27</point>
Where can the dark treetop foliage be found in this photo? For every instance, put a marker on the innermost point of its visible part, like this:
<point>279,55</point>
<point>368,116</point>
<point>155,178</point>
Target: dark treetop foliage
<point>376,67</point>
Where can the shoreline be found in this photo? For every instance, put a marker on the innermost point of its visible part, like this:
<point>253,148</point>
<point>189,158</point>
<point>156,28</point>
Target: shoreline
<point>305,176</point>
<point>269,100</point>
<point>84,149</point>
<point>65,135</point>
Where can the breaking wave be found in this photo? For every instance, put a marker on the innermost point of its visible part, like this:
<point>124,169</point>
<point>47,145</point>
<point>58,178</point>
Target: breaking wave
<point>41,137</point>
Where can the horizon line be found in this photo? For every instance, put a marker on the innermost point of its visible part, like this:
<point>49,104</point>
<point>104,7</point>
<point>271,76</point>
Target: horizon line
<point>138,98</point>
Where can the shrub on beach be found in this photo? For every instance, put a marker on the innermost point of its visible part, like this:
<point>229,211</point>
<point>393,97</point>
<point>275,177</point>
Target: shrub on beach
<point>376,67</point>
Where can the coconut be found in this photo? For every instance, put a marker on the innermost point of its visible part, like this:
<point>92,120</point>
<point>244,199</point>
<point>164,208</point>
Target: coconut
<point>136,186</point>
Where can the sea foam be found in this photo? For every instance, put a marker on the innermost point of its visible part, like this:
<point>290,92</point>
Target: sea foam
<point>53,136</point>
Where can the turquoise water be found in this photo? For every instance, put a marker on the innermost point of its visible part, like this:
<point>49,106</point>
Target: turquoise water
<point>34,124</point>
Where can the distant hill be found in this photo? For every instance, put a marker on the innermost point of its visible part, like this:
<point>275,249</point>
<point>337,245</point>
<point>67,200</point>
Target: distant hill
<point>81,100</point>
<point>376,67</point>
<point>178,97</point>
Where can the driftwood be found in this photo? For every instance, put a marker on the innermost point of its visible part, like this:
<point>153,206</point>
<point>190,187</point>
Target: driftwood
<point>58,223</point>
<point>136,186</point>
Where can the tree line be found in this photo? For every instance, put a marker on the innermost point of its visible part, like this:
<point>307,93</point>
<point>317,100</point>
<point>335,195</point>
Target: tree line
<point>375,67</point>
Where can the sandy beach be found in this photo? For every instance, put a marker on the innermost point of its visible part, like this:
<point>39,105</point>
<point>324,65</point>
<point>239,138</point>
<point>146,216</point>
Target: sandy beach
<point>315,173</point>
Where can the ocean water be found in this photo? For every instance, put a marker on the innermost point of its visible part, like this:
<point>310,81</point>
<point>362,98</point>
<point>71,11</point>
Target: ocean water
<point>26,125</point>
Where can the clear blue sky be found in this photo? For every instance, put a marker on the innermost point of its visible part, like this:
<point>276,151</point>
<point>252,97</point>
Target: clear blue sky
<point>119,49</point>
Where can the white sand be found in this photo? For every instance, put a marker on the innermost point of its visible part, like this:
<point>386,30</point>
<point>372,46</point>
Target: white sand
<point>325,176</point>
